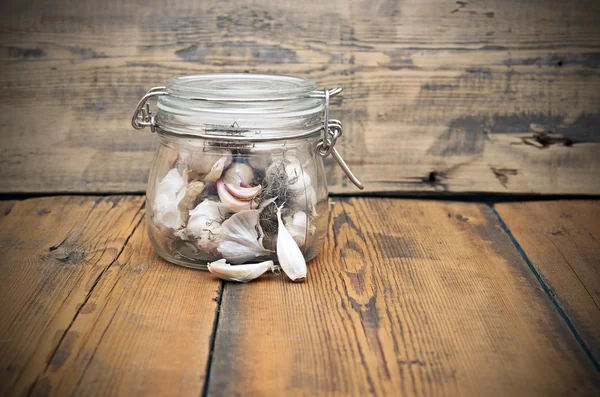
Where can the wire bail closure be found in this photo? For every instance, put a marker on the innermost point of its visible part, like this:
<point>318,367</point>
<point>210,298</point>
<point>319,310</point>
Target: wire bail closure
<point>332,128</point>
<point>142,117</point>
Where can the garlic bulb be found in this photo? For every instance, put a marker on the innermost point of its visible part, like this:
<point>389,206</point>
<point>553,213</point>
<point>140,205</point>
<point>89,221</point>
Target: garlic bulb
<point>289,255</point>
<point>240,273</point>
<point>204,222</point>
<point>170,190</point>
<point>298,179</point>
<point>241,237</point>
<point>238,174</point>
<point>307,200</point>
<point>296,225</point>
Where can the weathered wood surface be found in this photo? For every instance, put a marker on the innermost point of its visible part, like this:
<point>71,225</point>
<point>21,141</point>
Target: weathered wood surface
<point>443,96</point>
<point>87,308</point>
<point>562,240</point>
<point>411,298</point>
<point>54,251</point>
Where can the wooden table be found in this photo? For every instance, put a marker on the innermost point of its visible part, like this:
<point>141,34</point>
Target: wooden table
<point>408,297</point>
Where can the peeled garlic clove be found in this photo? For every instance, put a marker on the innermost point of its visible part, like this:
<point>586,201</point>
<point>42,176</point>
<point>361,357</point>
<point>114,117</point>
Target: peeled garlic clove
<point>289,255</point>
<point>238,174</point>
<point>217,169</point>
<point>240,273</point>
<point>230,201</point>
<point>243,193</point>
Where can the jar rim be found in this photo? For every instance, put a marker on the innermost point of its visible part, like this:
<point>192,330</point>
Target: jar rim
<point>257,106</point>
<point>239,87</point>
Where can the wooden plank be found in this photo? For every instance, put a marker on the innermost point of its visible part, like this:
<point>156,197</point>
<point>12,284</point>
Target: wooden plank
<point>562,240</point>
<point>6,207</point>
<point>54,251</point>
<point>466,96</point>
<point>146,330</point>
<point>408,298</point>
<point>88,308</point>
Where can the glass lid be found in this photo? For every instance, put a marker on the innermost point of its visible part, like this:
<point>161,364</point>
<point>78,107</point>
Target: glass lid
<point>239,87</point>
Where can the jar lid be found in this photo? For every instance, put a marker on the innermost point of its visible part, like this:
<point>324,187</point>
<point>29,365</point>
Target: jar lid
<point>238,106</point>
<point>242,87</point>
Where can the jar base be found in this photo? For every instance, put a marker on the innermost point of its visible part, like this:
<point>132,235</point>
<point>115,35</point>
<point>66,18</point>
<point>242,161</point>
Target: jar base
<point>196,264</point>
<point>202,264</point>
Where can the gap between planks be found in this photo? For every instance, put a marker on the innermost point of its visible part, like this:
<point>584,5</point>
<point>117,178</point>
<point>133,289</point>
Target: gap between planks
<point>553,298</point>
<point>213,338</point>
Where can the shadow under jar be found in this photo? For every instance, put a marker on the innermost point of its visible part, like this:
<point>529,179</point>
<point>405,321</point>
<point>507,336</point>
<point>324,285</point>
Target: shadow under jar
<point>236,149</point>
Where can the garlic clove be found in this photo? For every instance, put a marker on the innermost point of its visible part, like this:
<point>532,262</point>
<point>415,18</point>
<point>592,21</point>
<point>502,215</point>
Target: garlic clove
<point>289,255</point>
<point>243,193</point>
<point>229,200</point>
<point>238,174</point>
<point>240,273</point>
<point>217,169</point>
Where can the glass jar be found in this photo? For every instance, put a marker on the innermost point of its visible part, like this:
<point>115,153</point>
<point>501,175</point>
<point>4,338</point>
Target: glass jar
<point>236,152</point>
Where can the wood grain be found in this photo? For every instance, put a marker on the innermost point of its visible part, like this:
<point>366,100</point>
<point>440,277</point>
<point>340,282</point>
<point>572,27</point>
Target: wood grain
<point>87,308</point>
<point>145,331</point>
<point>54,250</point>
<point>562,239</point>
<point>408,298</point>
<point>441,96</point>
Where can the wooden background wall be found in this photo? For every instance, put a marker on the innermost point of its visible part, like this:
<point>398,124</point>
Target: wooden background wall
<point>444,96</point>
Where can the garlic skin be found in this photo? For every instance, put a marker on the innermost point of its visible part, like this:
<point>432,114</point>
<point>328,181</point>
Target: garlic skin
<point>217,169</point>
<point>239,273</point>
<point>203,224</point>
<point>300,184</point>
<point>289,255</point>
<point>170,190</point>
<point>241,237</point>
<point>190,199</point>
<point>201,162</point>
<point>296,225</point>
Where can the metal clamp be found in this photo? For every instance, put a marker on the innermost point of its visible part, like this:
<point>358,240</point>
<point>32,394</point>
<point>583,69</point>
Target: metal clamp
<point>332,130</point>
<point>142,117</point>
